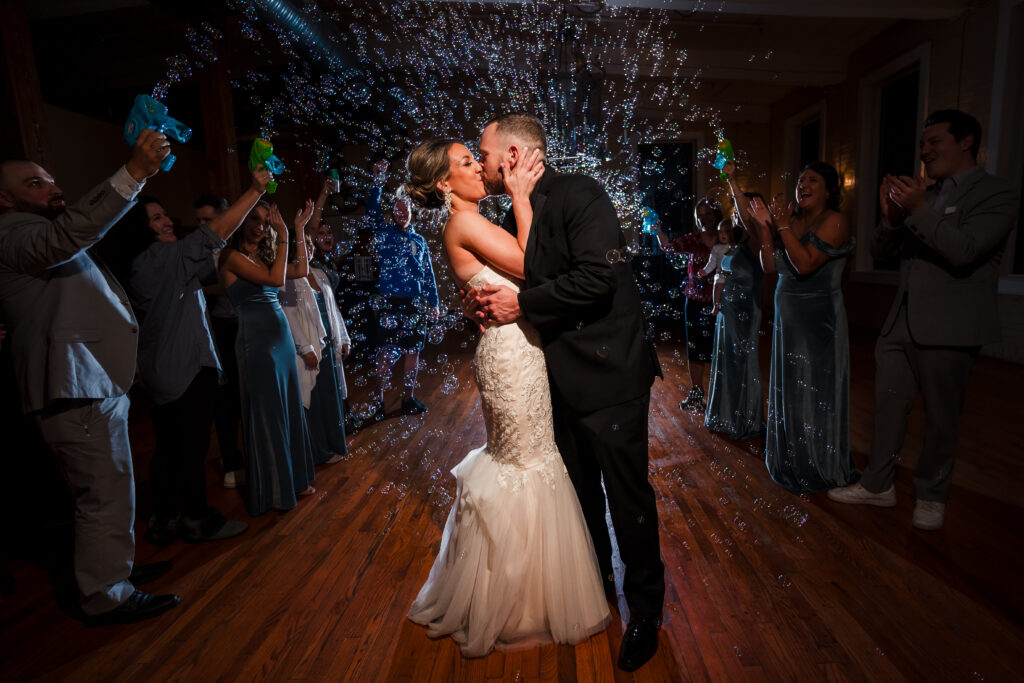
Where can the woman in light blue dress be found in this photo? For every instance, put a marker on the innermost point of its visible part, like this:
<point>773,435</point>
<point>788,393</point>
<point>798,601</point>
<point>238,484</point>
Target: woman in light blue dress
<point>807,447</point>
<point>735,402</point>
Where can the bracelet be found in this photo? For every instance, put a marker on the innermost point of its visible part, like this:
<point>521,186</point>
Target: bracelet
<point>780,228</point>
<point>280,242</point>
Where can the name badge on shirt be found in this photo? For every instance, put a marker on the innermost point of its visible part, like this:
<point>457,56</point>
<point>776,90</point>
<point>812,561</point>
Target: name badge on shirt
<point>950,210</point>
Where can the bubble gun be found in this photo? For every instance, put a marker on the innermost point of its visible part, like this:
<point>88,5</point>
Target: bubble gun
<point>148,113</point>
<point>262,154</point>
<point>724,156</point>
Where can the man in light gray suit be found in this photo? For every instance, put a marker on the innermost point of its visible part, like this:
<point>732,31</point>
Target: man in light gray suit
<point>950,239</point>
<point>73,338</point>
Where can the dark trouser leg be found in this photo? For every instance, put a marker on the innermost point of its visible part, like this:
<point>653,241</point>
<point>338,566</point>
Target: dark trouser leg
<point>228,413</point>
<point>585,474</point>
<point>943,373</point>
<point>615,440</point>
<point>90,441</point>
<point>178,469</point>
<point>197,419</point>
<point>164,470</point>
<point>895,389</point>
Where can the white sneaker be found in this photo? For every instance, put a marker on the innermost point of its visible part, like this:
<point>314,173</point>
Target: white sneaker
<point>858,495</point>
<point>928,515</point>
<point>232,479</point>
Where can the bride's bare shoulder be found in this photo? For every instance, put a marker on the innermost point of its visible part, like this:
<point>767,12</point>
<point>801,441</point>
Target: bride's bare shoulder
<point>462,221</point>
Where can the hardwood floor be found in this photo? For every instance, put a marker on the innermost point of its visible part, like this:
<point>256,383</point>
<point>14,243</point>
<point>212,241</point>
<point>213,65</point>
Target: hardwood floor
<point>763,585</point>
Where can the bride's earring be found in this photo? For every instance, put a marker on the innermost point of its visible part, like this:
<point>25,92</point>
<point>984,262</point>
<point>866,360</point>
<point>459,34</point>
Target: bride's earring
<point>448,201</point>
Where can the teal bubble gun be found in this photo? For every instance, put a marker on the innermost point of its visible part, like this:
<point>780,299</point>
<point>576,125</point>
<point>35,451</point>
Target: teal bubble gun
<point>262,154</point>
<point>724,156</point>
<point>148,113</point>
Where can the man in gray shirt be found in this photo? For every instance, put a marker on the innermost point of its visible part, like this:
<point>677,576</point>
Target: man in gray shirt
<point>73,337</point>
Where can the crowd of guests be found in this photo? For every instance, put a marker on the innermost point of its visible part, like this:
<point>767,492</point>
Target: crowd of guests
<point>949,239</point>
<point>233,324</point>
<point>236,325</point>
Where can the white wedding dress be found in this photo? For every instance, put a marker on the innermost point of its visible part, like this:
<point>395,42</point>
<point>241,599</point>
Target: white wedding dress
<point>516,564</point>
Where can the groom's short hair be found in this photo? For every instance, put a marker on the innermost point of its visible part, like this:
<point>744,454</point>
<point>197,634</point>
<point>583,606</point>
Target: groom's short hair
<point>525,127</point>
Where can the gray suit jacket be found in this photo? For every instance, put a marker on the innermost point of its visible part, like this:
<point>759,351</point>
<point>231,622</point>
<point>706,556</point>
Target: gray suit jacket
<point>73,333</point>
<point>949,267</point>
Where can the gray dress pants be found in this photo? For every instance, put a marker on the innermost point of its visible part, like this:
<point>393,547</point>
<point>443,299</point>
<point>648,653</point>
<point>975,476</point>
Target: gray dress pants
<point>89,438</point>
<point>940,373</point>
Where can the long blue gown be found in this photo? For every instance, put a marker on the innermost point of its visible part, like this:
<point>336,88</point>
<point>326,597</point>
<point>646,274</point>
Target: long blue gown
<point>808,441</point>
<point>326,416</point>
<point>279,460</point>
<point>735,402</point>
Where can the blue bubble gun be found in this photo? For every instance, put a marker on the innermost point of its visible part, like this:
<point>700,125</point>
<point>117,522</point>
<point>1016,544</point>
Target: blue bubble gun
<point>724,156</point>
<point>148,113</point>
<point>262,154</point>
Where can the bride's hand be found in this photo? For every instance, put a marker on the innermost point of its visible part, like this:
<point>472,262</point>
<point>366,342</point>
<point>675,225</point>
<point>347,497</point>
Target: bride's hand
<point>520,180</point>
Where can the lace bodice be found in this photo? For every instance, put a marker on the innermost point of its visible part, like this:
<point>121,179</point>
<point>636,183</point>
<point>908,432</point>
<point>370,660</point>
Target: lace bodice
<point>512,376</point>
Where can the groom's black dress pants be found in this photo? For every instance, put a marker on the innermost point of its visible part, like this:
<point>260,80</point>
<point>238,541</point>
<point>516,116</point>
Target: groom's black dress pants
<point>611,443</point>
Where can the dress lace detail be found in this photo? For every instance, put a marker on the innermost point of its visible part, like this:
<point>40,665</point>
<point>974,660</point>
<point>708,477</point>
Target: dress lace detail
<point>516,563</point>
<point>511,374</point>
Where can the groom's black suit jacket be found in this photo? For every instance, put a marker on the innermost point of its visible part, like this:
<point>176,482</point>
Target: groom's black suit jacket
<point>587,309</point>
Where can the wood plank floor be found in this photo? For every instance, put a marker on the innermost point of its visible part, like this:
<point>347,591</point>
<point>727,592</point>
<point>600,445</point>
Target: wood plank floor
<point>763,585</point>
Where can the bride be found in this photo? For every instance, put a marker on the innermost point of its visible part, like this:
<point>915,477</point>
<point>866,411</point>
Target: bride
<point>516,564</point>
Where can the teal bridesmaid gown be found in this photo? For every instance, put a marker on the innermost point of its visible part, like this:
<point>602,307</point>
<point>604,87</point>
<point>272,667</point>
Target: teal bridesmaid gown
<point>279,460</point>
<point>735,404</point>
<point>808,439</point>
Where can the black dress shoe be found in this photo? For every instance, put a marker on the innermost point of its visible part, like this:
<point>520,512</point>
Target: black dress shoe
<point>163,531</point>
<point>138,607</point>
<point>144,573</point>
<point>639,643</point>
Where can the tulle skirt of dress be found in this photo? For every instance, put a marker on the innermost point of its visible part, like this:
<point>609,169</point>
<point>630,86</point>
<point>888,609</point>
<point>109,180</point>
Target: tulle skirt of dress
<point>516,565</point>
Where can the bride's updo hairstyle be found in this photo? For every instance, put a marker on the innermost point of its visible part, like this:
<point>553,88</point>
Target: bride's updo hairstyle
<point>428,165</point>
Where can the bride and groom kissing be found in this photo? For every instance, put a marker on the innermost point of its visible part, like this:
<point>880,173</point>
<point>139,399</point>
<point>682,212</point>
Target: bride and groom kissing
<point>564,373</point>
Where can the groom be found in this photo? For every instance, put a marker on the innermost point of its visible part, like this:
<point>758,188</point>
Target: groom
<point>601,367</point>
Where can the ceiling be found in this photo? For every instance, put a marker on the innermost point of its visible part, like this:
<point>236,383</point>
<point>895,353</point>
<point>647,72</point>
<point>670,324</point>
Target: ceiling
<point>747,54</point>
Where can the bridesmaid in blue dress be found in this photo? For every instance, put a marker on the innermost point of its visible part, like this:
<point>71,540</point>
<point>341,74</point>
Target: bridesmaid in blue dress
<point>735,402</point>
<point>807,447</point>
<point>279,460</point>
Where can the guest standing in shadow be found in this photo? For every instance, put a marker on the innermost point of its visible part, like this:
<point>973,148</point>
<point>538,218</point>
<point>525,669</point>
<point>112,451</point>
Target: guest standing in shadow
<point>950,239</point>
<point>700,326</point>
<point>735,400</point>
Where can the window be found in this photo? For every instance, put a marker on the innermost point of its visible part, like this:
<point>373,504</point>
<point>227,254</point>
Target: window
<point>893,107</point>
<point>804,142</point>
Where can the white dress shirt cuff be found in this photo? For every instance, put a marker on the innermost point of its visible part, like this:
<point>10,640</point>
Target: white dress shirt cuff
<point>125,185</point>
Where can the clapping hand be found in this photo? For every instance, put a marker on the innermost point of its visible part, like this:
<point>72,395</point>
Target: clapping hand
<point>760,214</point>
<point>908,192</point>
<point>521,179</point>
<point>277,223</point>
<point>302,216</point>
<point>892,212</point>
